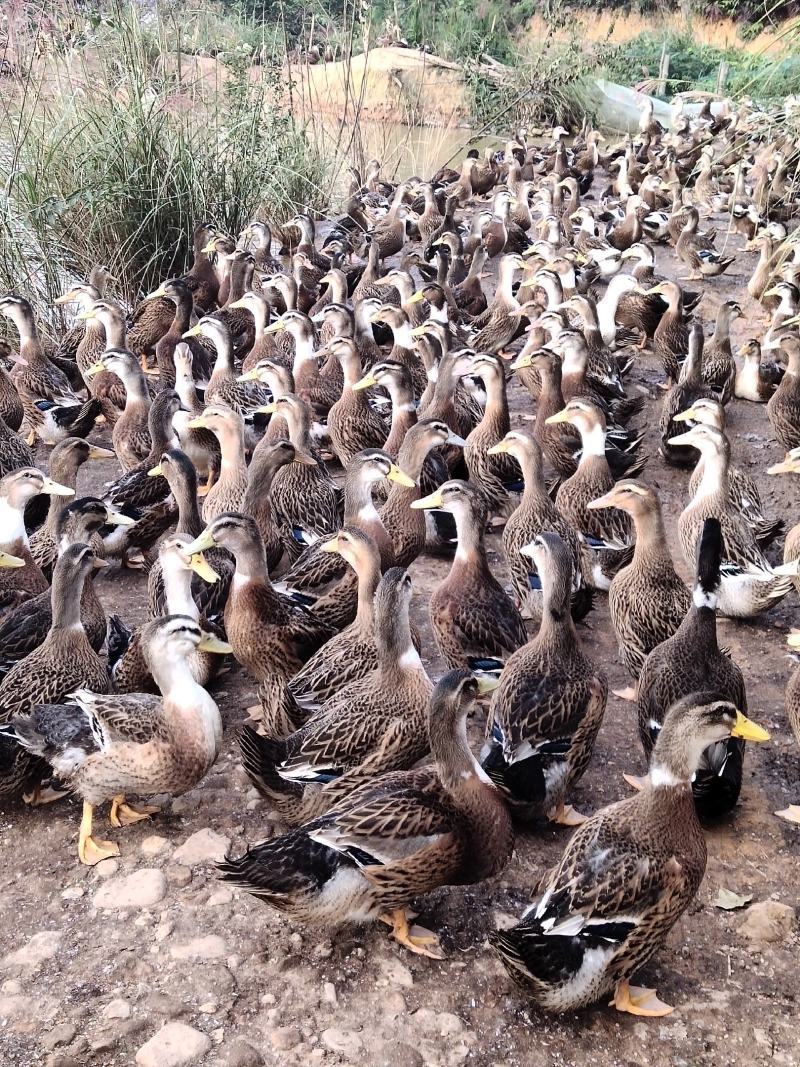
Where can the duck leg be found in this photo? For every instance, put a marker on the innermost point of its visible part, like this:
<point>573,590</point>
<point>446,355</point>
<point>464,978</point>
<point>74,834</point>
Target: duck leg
<point>634,782</point>
<point>89,850</point>
<point>204,490</point>
<point>790,814</point>
<point>415,938</point>
<point>637,1000</point>
<point>566,815</point>
<point>628,693</point>
<point>123,814</point>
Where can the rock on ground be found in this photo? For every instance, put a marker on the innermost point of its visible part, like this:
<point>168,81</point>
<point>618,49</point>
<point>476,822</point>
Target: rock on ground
<point>768,921</point>
<point>205,846</point>
<point>142,889</point>
<point>175,1045</point>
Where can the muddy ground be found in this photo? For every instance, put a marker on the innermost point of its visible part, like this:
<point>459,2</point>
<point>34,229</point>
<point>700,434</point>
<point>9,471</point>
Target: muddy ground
<point>104,971</point>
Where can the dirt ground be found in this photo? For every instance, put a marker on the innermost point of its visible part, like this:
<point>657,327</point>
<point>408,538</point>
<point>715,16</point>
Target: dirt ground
<point>89,974</point>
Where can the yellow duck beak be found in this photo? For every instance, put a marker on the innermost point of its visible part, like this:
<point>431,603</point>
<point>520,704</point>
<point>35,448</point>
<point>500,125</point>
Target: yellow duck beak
<point>499,449</point>
<point>364,383</point>
<point>210,643</point>
<point>560,416</point>
<point>241,303</point>
<point>96,452</point>
<point>197,423</point>
<point>266,409</point>
<point>252,375</point>
<point>200,544</point>
<point>772,291</point>
<point>116,518</point>
<point>203,569</point>
<point>7,560</point>
<point>95,369</point>
<point>330,546</point>
<point>687,438</point>
<point>689,415</point>
<point>210,247</point>
<point>161,291</point>
<point>418,331</point>
<point>66,298</point>
<point>788,465</point>
<point>791,321</point>
<point>193,331</point>
<point>85,313</point>
<point>396,475</point>
<point>748,730</point>
<point>56,489</point>
<point>520,363</point>
<point>155,472</point>
<point>276,326</point>
<point>425,503</point>
<point>416,298</point>
<point>486,684</point>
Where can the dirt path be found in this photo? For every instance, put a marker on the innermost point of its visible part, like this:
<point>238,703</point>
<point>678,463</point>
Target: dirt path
<point>91,966</point>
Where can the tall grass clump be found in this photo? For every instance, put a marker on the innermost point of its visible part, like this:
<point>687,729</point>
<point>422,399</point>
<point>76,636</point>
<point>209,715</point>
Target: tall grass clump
<point>113,146</point>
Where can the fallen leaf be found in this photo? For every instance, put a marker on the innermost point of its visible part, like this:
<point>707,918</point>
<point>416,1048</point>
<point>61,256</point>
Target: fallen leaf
<point>730,901</point>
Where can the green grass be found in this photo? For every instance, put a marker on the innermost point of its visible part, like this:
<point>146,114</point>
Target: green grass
<point>117,162</point>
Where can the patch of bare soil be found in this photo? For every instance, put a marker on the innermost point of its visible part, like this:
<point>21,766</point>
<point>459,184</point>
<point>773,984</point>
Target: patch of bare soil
<point>92,965</point>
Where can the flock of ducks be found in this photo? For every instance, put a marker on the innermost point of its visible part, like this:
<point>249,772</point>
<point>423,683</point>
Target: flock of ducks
<point>231,394</point>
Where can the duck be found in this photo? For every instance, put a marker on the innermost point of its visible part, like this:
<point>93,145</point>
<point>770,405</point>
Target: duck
<point>681,396</point>
<point>371,726</point>
<point>224,388</point>
<point>749,583</point>
<point>688,660</point>
<point>11,410</point>
<point>304,497</point>
<point>718,369</point>
<point>14,451</point>
<point>703,262</point>
<point>176,467</point>
<point>647,600</point>
<point>130,436</point>
<point>270,636</point>
<point>267,460</point>
<point>549,703</point>
<point>108,747</point>
<point>792,704</point>
<point>353,425</point>
<point>228,492</point>
<point>63,662</point>
<point>671,337</point>
<point>16,490</point>
<point>496,474</point>
<point>26,627</point>
<point>406,525</point>
<point>322,579</point>
<point>474,622</point>
<point>536,513</point>
<point>783,407</point>
<point>593,921</point>
<point>127,659</point>
<point>137,488</point>
<point>65,460</point>
<point>607,540</point>
<point>394,838</point>
<point>744,492</point>
<point>756,380</point>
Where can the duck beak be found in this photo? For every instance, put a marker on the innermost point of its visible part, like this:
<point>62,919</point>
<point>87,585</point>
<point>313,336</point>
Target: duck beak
<point>99,563</point>
<point>685,416</point>
<point>789,322</point>
<point>330,546</point>
<point>560,416</point>
<point>86,313</point>
<point>376,317</point>
<point>210,643</point>
<point>520,363</point>
<point>304,458</point>
<point>96,452</point>
<point>364,383</point>
<point>786,466</point>
<point>200,544</point>
<point>682,439</point>
<point>486,684</point>
<point>55,489</point>
<point>396,475</point>
<point>606,501</point>
<point>497,450</point>
<point>161,291</point>
<point>193,331</point>
<point>155,472</point>
<point>210,247</point>
<point>197,423</point>
<point>200,566</point>
<point>418,331</point>
<point>95,368</point>
<point>266,409</point>
<point>15,357</point>
<point>116,518</point>
<point>7,560</point>
<point>748,730</point>
<point>238,304</point>
<point>773,291</point>
<point>276,326</point>
<point>251,375</point>
<point>455,441</point>
<point>416,298</point>
<point>425,503</point>
<point>65,298</point>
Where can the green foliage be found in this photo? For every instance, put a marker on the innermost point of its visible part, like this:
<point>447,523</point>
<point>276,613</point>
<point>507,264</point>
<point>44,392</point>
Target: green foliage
<point>120,174</point>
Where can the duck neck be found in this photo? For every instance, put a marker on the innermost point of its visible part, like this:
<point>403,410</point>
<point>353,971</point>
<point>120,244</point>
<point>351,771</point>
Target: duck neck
<point>368,572</point>
<point>65,598</point>
<point>358,504</point>
<point>12,526</point>
<point>135,384</point>
<point>651,538</point>
<point>458,769</point>
<point>470,551</point>
<point>714,477</point>
<point>495,413</point>
<point>593,442</point>
<point>185,493</point>
<point>178,592</point>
